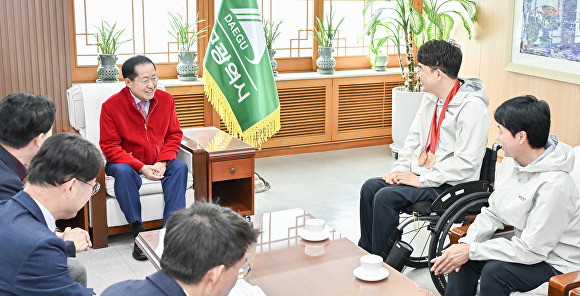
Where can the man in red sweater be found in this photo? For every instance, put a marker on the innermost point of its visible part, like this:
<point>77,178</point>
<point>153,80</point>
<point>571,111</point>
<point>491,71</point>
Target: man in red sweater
<point>140,134</point>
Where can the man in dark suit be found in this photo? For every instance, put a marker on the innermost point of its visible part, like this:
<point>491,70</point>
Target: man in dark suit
<point>61,179</point>
<point>204,250</point>
<point>25,123</point>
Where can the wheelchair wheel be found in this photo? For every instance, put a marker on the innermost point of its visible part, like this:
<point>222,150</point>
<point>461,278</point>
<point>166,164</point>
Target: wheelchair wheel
<point>455,216</point>
<point>418,235</point>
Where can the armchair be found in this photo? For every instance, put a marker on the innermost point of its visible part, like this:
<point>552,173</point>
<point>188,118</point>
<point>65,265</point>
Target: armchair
<point>105,215</point>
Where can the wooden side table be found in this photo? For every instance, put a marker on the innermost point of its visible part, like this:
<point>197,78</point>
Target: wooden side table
<point>223,168</point>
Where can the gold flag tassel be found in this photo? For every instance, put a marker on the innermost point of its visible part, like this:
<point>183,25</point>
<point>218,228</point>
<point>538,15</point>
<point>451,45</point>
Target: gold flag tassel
<point>264,129</point>
<point>257,134</point>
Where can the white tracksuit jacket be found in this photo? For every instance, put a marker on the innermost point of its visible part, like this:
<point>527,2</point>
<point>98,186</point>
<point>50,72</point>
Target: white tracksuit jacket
<point>462,140</point>
<point>541,201</point>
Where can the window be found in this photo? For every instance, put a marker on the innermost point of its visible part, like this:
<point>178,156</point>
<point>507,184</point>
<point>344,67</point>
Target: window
<point>147,24</point>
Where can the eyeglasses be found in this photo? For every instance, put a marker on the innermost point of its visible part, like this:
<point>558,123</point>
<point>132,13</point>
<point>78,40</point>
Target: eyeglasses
<point>244,270</point>
<point>146,82</point>
<point>420,69</point>
<point>96,187</point>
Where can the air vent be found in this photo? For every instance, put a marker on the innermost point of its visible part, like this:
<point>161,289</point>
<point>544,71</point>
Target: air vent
<point>364,106</point>
<point>190,110</point>
<point>302,112</point>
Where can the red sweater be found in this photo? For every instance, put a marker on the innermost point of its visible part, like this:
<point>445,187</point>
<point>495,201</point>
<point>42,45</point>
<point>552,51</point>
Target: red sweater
<point>128,138</point>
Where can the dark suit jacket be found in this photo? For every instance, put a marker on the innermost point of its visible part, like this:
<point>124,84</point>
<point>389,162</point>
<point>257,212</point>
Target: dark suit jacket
<point>156,284</point>
<point>10,183</point>
<point>32,258</point>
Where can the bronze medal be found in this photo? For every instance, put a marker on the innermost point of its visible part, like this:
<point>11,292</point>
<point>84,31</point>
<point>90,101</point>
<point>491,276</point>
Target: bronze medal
<point>422,158</point>
<point>431,160</point>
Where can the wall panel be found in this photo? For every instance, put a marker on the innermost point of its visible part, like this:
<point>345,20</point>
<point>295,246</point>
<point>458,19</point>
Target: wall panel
<point>34,51</point>
<point>484,57</point>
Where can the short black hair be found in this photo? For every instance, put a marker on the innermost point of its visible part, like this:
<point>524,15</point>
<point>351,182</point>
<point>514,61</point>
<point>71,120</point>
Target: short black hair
<point>63,157</point>
<point>528,114</point>
<point>23,117</point>
<point>202,237</point>
<point>129,65</point>
<point>445,55</point>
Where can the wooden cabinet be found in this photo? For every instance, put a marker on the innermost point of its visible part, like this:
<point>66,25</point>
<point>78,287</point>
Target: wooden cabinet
<point>223,168</point>
<point>318,112</point>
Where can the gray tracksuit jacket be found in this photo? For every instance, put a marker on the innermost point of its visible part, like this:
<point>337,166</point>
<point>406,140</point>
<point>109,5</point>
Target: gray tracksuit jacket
<point>541,201</point>
<point>462,139</point>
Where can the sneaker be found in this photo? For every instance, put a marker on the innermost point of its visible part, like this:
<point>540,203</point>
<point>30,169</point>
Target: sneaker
<point>138,253</point>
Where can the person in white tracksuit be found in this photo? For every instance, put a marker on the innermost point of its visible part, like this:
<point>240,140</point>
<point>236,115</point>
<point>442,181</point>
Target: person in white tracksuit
<point>536,195</point>
<point>459,108</point>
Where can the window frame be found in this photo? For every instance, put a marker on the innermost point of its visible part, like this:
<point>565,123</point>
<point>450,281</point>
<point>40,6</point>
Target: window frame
<point>206,11</point>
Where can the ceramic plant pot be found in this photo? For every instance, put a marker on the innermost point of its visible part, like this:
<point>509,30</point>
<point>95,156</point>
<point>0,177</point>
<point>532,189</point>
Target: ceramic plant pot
<point>187,68</point>
<point>325,62</point>
<point>405,106</point>
<point>381,62</point>
<point>108,70</point>
<point>273,63</point>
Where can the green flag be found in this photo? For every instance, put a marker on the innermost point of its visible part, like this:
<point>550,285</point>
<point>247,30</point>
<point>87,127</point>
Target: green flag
<point>237,76</point>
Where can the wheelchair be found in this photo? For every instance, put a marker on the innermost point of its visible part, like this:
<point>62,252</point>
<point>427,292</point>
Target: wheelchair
<point>432,221</point>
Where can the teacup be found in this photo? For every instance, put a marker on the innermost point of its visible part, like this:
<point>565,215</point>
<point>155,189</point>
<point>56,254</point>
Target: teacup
<point>371,264</point>
<point>315,226</point>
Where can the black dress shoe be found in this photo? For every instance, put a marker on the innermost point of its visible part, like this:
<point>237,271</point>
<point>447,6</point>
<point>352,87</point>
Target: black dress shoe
<point>138,253</point>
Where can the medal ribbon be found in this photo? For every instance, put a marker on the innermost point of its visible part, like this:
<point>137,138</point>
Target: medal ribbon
<point>434,130</point>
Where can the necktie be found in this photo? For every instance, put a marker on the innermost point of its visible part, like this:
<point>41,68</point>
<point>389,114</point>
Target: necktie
<point>142,108</point>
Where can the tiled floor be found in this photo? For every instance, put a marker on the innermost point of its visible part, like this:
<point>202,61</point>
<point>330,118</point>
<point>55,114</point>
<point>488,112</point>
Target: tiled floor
<point>325,184</point>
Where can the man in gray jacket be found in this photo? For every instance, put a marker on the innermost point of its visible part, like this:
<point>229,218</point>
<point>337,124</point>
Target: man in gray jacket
<point>445,146</point>
<point>536,195</point>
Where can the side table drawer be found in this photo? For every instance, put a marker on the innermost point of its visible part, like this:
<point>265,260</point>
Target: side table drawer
<point>231,169</point>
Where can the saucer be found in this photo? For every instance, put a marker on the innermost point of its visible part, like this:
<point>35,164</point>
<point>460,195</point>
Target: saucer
<point>314,237</point>
<point>361,274</point>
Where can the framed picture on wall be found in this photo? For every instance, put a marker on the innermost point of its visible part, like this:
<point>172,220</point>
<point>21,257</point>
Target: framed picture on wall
<point>545,39</point>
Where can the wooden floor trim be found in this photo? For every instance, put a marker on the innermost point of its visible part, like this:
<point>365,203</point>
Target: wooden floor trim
<point>320,147</point>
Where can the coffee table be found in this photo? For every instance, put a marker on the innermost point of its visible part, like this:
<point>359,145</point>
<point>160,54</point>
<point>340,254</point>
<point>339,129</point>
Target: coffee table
<point>284,264</point>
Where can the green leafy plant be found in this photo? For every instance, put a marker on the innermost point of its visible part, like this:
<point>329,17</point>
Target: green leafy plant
<point>377,42</point>
<point>324,34</point>
<point>414,28</point>
<point>271,32</point>
<point>185,33</point>
<point>107,39</point>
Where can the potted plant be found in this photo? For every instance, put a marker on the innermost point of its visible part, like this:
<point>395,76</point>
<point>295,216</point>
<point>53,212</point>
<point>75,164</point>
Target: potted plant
<point>271,33</point>
<point>108,43</point>
<point>186,35</point>
<point>377,57</point>
<point>409,25</point>
<point>324,34</point>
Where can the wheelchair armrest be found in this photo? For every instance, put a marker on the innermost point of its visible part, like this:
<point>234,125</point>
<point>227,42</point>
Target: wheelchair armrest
<point>560,285</point>
<point>453,194</point>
